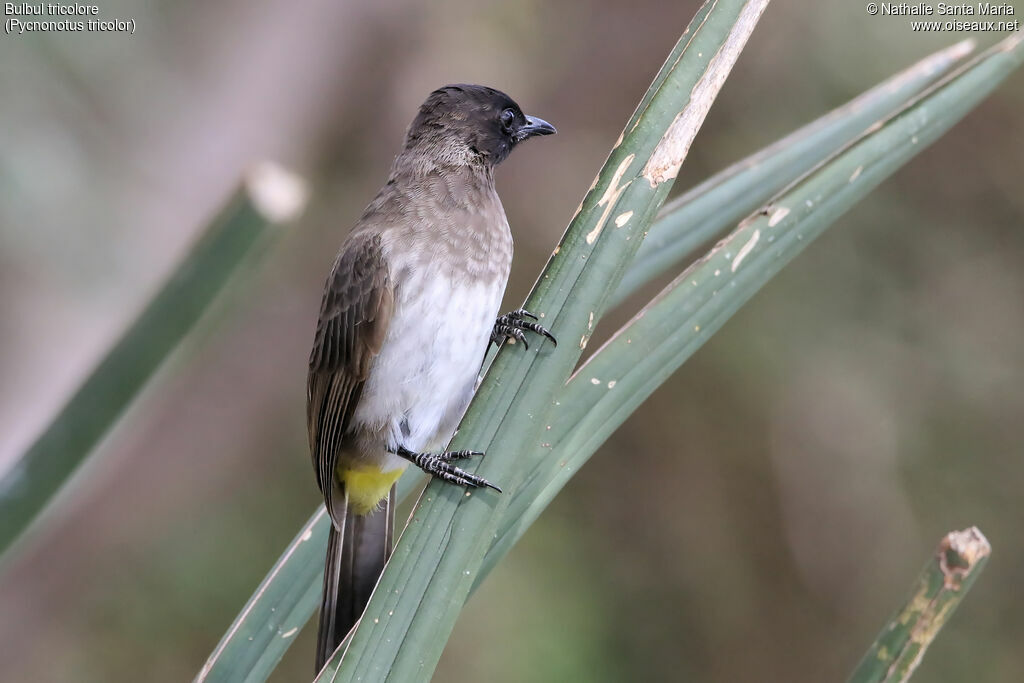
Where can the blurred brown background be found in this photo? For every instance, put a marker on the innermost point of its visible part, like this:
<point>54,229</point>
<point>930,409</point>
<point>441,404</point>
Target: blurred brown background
<point>759,517</point>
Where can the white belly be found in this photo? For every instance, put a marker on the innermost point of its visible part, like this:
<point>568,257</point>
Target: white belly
<point>423,379</point>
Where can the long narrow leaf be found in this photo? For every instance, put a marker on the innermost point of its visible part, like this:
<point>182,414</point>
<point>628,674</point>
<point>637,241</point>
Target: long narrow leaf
<point>98,403</point>
<point>706,211</point>
<point>942,584</point>
<point>281,605</point>
<point>645,352</point>
<point>276,613</point>
<point>421,592</point>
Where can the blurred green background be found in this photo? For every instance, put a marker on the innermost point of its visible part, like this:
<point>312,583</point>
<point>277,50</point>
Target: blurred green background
<point>760,516</point>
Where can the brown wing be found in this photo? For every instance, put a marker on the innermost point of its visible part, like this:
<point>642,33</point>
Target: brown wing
<point>354,317</point>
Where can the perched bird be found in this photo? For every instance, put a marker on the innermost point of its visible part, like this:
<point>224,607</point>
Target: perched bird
<point>408,311</point>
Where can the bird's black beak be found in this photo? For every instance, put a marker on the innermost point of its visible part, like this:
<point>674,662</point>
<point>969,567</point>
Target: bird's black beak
<point>534,126</point>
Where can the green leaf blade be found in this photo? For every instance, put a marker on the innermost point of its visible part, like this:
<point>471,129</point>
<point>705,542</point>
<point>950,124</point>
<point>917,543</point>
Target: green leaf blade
<point>938,591</point>
<point>704,212</point>
<point>649,348</point>
<point>282,604</point>
<point>98,403</point>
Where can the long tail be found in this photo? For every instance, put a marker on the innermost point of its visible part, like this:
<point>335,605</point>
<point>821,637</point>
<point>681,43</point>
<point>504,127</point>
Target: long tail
<point>355,559</point>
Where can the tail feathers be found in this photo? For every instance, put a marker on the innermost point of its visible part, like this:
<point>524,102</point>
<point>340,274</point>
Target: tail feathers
<point>356,556</point>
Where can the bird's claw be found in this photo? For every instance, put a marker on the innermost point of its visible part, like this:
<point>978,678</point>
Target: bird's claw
<point>513,324</point>
<point>440,465</point>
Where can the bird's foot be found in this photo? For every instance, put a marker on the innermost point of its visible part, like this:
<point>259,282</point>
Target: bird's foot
<point>440,465</point>
<point>511,326</point>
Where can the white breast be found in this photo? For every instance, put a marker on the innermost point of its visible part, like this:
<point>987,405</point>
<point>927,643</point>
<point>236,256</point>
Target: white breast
<point>423,379</point>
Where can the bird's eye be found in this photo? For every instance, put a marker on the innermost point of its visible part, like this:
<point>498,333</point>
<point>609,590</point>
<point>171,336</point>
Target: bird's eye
<point>507,117</point>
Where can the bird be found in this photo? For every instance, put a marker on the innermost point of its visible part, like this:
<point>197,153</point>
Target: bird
<point>408,312</point>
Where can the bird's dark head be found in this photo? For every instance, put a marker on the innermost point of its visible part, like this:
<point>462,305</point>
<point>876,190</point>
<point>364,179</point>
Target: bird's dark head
<point>473,121</point>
